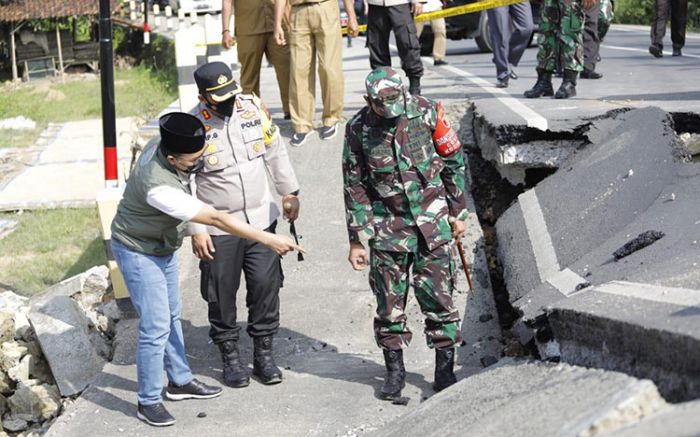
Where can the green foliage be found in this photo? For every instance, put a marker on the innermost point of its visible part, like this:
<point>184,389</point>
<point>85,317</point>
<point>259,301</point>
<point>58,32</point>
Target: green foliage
<point>138,92</point>
<point>49,246</point>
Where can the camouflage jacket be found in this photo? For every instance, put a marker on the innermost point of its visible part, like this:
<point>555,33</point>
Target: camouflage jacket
<point>398,190</point>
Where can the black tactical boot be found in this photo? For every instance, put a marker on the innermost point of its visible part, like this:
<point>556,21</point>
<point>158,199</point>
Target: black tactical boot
<point>444,369</point>
<point>414,86</point>
<point>235,374</point>
<point>395,379</point>
<point>263,363</point>
<point>568,85</point>
<point>543,86</point>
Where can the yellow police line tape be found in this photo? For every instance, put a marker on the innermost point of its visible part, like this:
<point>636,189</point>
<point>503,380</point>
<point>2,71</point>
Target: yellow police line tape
<point>428,16</point>
<point>457,10</point>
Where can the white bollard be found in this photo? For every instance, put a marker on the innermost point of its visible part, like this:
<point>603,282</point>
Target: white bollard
<point>156,22</point>
<point>186,61</point>
<point>212,32</point>
<point>156,9</point>
<point>199,40</point>
<point>193,17</point>
<point>168,11</point>
<point>181,15</point>
<point>132,10</point>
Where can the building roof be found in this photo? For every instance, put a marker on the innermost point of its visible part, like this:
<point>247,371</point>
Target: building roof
<point>20,10</point>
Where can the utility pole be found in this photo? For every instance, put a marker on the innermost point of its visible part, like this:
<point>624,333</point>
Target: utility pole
<point>109,128</point>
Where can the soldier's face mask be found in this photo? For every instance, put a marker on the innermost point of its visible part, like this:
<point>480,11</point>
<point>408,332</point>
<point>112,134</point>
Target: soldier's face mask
<point>390,105</point>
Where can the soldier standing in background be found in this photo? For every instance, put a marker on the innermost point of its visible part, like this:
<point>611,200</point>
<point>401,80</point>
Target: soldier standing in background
<point>382,17</point>
<point>254,22</point>
<point>561,26</point>
<point>401,193</point>
<point>679,17</point>
<point>242,148</point>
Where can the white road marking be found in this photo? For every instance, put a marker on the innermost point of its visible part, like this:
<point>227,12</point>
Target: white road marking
<point>540,240</point>
<point>656,293</point>
<point>566,281</point>
<point>632,49</point>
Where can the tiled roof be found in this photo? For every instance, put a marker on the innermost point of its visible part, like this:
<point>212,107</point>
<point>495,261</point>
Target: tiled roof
<point>20,10</point>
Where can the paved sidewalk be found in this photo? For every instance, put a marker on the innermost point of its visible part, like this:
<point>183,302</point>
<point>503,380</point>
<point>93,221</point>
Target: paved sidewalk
<point>68,170</point>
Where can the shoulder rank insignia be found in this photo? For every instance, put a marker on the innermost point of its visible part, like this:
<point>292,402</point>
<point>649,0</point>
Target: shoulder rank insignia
<point>206,114</point>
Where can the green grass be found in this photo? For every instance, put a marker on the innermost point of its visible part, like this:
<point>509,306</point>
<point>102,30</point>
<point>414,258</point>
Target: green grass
<point>138,92</point>
<point>49,246</point>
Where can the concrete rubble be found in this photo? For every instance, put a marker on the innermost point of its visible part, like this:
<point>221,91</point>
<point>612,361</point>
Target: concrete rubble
<point>51,347</point>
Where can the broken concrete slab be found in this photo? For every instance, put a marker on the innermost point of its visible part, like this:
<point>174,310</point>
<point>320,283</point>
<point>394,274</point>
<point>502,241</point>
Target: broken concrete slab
<point>679,420</point>
<point>62,332</point>
<point>644,330</point>
<point>549,229</point>
<point>34,403</point>
<point>516,398</point>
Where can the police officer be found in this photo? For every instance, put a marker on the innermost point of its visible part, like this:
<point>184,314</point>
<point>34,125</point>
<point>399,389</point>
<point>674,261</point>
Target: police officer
<point>561,25</point>
<point>397,15</point>
<point>148,228</point>
<point>315,33</point>
<point>401,193</point>
<point>254,24</point>
<point>242,147</point>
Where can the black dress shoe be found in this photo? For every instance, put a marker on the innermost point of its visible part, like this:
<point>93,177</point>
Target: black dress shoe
<point>677,52</point>
<point>192,390</point>
<point>656,50</point>
<point>590,74</point>
<point>439,62</point>
<point>513,75</point>
<point>155,415</point>
<point>287,116</point>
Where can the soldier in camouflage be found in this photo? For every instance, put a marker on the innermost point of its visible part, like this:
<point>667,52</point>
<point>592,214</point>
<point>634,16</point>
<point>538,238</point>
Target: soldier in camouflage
<point>561,25</point>
<point>402,196</point>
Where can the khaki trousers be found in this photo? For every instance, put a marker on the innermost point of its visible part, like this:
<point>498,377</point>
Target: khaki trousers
<point>250,53</point>
<point>440,33</point>
<point>315,33</point>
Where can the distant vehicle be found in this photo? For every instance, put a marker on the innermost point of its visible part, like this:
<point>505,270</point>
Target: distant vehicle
<point>474,25</point>
<point>199,6</point>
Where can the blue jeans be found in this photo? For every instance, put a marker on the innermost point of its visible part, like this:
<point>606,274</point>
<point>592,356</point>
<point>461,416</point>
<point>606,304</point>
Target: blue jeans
<point>153,286</point>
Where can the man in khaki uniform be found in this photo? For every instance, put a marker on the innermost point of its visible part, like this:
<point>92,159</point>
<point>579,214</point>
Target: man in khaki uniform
<point>314,29</point>
<point>254,25</point>
<point>243,147</point>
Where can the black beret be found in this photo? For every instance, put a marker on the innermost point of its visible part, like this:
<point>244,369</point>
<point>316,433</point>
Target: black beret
<point>181,133</point>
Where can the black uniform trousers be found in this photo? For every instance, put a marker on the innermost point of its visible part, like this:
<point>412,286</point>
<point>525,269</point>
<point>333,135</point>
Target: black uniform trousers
<point>222,276</point>
<point>381,20</point>
<point>591,38</point>
<point>679,17</point>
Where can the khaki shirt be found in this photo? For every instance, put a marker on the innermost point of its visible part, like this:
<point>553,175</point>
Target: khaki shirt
<point>240,152</point>
<point>252,17</point>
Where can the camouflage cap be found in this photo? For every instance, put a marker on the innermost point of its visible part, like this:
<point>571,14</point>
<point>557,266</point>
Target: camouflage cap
<point>385,90</point>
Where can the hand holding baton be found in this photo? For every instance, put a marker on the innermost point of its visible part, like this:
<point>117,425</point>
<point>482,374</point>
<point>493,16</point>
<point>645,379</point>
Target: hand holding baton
<point>465,265</point>
<point>293,230</point>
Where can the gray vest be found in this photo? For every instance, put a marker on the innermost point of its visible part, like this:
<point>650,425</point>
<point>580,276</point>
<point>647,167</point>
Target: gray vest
<point>137,224</point>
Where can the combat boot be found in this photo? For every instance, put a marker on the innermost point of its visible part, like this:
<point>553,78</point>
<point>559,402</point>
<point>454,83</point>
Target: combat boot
<point>235,374</point>
<point>444,369</point>
<point>543,86</point>
<point>263,363</point>
<point>395,379</point>
<point>568,85</point>
<point>414,86</point>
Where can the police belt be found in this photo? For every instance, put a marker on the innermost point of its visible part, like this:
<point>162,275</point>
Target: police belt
<point>457,10</point>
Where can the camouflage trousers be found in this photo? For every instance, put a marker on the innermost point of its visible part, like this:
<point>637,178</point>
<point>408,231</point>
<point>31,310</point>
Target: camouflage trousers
<point>561,40</point>
<point>605,17</point>
<point>432,279</point>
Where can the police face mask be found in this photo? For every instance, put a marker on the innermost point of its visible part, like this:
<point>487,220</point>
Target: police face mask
<point>390,106</point>
<point>225,107</point>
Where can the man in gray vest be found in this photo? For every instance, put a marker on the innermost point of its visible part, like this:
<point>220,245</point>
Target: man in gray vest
<point>243,146</point>
<point>148,228</point>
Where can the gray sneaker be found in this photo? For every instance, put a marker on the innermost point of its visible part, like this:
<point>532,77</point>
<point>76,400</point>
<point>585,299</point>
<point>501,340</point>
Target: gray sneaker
<point>328,132</point>
<point>298,139</point>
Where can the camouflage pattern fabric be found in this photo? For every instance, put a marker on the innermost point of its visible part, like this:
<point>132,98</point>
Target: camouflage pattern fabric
<point>561,40</point>
<point>605,17</point>
<point>433,273</point>
<point>398,191</point>
<point>385,91</point>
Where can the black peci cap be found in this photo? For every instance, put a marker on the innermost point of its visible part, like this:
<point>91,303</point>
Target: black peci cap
<point>181,133</point>
<point>216,80</point>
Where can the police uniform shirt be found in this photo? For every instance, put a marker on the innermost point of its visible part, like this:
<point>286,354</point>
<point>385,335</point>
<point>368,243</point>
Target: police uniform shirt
<point>240,152</point>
